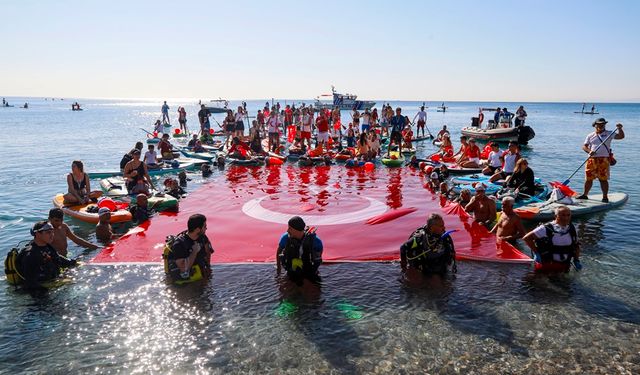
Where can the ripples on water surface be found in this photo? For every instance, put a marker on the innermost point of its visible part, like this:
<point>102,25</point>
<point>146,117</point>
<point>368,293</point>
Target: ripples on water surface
<point>489,318</point>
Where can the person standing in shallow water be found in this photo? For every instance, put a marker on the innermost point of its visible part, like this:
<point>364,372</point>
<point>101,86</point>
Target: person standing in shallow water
<point>599,157</point>
<point>299,252</point>
<point>429,248</point>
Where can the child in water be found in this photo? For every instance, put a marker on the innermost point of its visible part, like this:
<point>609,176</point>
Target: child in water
<point>104,232</point>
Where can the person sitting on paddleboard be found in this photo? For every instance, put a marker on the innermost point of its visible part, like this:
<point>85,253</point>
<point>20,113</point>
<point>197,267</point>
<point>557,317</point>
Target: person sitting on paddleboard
<point>189,249</point>
<point>129,155</point>
<point>472,155</point>
<point>461,155</point>
<point>39,262</point>
<point>165,147</point>
<point>509,159</point>
<point>509,228</point>
<point>556,242</point>
<point>522,179</point>
<point>157,127</point>
<point>62,232</point>
<point>137,176</point>
<point>429,248</point>
<point>482,207</point>
<point>441,133</point>
<point>238,150</point>
<point>494,160</point>
<point>299,252</point>
<point>79,186</point>
<point>150,158</point>
<point>599,157</point>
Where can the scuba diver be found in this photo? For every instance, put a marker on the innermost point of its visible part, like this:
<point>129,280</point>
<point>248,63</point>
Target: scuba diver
<point>299,252</point>
<point>38,262</point>
<point>187,256</point>
<point>429,248</point>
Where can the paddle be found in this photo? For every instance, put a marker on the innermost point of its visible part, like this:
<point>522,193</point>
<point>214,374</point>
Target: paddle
<point>568,180</point>
<point>151,134</point>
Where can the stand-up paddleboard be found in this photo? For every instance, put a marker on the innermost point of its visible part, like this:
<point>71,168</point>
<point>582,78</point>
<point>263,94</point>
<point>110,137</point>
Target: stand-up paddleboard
<point>115,187</point>
<point>546,210</point>
<point>165,169</point>
<point>588,113</point>
<point>80,211</point>
<point>198,155</point>
<point>456,169</point>
<point>395,159</point>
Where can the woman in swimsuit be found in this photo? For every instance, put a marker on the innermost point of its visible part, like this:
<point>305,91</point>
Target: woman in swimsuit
<point>79,187</point>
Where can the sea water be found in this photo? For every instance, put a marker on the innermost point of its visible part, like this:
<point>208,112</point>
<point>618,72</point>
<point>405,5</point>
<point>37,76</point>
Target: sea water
<point>489,318</point>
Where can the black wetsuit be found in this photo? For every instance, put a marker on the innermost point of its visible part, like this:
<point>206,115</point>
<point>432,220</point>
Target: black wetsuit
<point>38,264</point>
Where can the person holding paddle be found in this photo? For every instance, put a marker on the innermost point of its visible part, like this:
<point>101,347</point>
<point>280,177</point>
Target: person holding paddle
<point>598,146</point>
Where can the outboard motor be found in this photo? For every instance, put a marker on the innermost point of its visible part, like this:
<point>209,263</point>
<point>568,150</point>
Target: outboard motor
<point>525,134</point>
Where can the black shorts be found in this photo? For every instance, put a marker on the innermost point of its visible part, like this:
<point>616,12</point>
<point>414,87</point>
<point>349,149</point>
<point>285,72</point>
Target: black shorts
<point>492,169</point>
<point>230,127</point>
<point>395,137</point>
<point>239,126</point>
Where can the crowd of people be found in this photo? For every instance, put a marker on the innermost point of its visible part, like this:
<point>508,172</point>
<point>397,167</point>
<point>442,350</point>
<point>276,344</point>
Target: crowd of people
<point>430,248</point>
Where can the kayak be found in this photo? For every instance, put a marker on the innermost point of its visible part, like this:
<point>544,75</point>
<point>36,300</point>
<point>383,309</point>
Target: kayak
<point>545,210</point>
<point>249,162</point>
<point>542,193</point>
<point>481,178</point>
<point>198,155</point>
<point>490,188</point>
<point>115,187</point>
<point>395,159</point>
<point>152,172</point>
<point>419,139</point>
<point>80,211</point>
<point>456,169</point>
<point>408,151</point>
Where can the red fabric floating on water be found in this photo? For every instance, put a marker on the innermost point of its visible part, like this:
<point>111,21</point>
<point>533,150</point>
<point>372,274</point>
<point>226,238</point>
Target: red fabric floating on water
<point>390,215</point>
<point>247,210</point>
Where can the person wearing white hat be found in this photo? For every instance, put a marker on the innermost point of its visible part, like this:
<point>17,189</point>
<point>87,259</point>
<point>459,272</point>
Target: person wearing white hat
<point>39,262</point>
<point>598,146</point>
<point>104,232</point>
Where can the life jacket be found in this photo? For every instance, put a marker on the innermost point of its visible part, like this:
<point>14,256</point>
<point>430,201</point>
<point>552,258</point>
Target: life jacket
<point>170,266</point>
<point>305,264</point>
<point>429,255</point>
<point>547,249</point>
<point>12,261</point>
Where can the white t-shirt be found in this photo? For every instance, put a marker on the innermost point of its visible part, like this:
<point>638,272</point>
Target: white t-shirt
<point>594,140</point>
<point>494,159</point>
<point>239,116</point>
<point>561,237</point>
<point>509,161</point>
<point>306,123</point>
<point>150,157</point>
<point>365,118</point>
<point>273,123</point>
<point>422,116</point>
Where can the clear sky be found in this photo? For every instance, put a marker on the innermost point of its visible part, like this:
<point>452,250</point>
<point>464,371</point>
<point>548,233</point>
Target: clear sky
<point>584,51</point>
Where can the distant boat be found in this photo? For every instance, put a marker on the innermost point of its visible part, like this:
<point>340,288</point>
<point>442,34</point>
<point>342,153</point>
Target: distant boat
<point>217,106</point>
<point>344,102</point>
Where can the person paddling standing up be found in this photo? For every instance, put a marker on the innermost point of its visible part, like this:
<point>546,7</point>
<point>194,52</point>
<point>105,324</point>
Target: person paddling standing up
<point>273,125</point>
<point>182,119</point>
<point>422,120</point>
<point>598,146</point>
<point>323,129</point>
<point>165,113</point>
<point>203,117</point>
<point>397,123</point>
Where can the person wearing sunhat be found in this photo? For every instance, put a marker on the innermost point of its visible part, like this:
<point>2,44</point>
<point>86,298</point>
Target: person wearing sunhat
<point>299,252</point>
<point>598,146</point>
<point>39,262</point>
